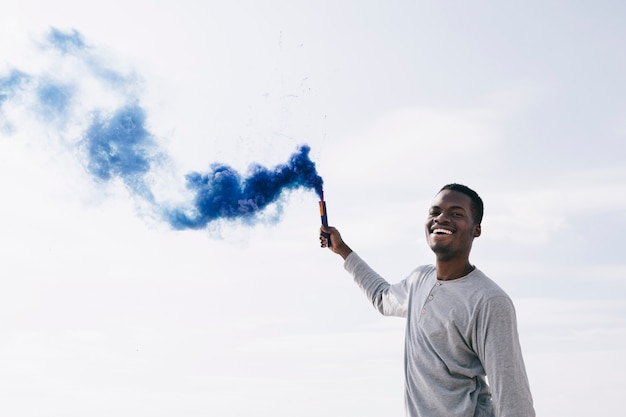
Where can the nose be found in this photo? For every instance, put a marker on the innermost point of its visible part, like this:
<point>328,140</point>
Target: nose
<point>441,218</point>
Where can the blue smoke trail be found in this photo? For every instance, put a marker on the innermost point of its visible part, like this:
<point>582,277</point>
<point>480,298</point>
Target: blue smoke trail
<point>66,42</point>
<point>121,146</point>
<point>54,99</point>
<point>11,84</point>
<point>224,194</point>
<point>117,144</point>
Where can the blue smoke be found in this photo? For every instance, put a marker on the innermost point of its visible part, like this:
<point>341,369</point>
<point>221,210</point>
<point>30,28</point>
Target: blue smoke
<point>117,144</point>
<point>65,42</point>
<point>223,193</point>
<point>11,84</point>
<point>121,146</point>
<point>54,99</point>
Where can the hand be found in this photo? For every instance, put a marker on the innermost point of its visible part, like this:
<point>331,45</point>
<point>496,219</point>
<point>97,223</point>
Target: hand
<point>338,245</point>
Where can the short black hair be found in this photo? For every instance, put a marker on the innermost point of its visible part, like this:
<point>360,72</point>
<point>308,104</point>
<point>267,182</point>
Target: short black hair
<point>477,203</point>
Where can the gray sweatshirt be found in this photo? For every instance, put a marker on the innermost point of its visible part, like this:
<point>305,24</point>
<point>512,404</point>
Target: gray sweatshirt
<point>458,333</point>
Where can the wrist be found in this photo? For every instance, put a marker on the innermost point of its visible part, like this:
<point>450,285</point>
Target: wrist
<point>344,250</point>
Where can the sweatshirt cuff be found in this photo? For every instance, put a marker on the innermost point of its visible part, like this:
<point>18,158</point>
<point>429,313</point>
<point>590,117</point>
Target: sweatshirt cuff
<point>351,261</point>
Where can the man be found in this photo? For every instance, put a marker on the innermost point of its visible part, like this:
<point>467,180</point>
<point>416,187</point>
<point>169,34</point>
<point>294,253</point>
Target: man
<point>461,326</point>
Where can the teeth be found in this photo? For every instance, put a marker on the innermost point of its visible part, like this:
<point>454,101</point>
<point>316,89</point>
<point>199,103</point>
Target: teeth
<point>442,231</point>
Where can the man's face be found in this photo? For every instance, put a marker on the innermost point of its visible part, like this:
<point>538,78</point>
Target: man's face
<point>450,228</point>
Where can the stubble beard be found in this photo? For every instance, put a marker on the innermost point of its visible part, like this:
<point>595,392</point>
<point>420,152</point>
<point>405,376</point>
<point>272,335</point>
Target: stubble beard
<point>442,252</point>
<point>447,251</point>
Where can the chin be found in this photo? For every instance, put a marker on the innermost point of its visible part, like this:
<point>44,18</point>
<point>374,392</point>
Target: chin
<point>440,250</point>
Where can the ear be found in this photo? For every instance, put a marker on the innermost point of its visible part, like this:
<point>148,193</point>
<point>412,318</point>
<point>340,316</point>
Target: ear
<point>477,230</point>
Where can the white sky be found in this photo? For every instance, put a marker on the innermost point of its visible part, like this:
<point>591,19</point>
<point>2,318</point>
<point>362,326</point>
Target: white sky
<point>106,312</point>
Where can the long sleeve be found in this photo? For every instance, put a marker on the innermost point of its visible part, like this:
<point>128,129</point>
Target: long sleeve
<point>390,300</point>
<point>499,350</point>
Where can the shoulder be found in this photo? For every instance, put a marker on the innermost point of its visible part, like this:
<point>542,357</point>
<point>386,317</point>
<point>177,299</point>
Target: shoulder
<point>482,293</point>
<point>422,272</point>
<point>422,275</point>
<point>485,285</point>
<point>491,299</point>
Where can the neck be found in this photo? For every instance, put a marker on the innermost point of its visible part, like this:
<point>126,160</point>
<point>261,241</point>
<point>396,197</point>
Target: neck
<point>450,270</point>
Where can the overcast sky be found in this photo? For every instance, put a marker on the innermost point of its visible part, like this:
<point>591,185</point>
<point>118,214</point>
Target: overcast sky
<point>105,310</point>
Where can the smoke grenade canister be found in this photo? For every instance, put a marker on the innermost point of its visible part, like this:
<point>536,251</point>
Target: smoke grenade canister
<point>324,219</point>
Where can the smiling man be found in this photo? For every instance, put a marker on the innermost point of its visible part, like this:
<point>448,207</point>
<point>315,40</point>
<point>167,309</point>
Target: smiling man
<point>461,326</point>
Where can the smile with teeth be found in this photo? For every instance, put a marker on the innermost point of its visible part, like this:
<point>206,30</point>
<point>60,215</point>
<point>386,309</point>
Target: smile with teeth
<point>441,231</point>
